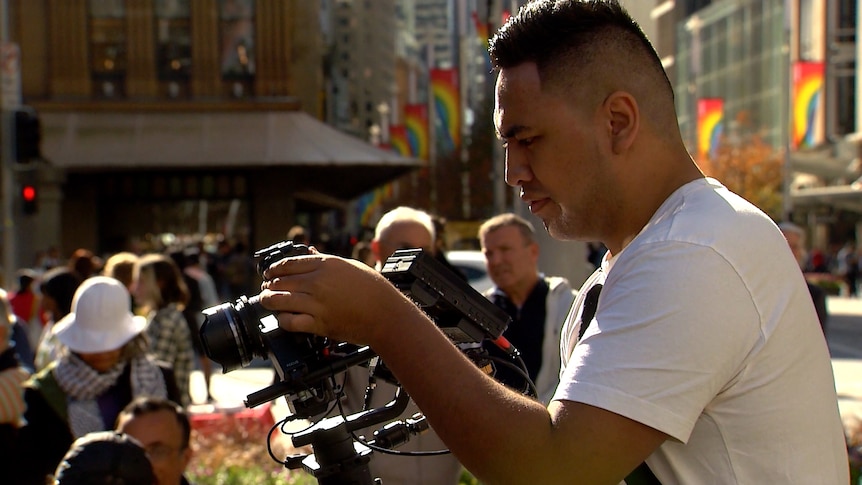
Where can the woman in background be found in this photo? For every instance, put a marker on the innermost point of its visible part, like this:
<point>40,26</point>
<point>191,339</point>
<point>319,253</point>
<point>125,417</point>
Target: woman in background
<point>161,294</point>
<point>102,364</point>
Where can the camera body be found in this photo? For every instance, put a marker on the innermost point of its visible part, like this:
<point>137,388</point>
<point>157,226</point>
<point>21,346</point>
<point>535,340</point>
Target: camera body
<point>234,333</point>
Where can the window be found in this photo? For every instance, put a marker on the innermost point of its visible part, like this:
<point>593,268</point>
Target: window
<point>236,24</point>
<point>173,44</point>
<point>108,47</point>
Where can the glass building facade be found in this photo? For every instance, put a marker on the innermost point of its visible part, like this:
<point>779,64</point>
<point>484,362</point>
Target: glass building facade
<point>737,51</point>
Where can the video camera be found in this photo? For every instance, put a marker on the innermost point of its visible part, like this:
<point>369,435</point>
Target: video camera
<point>234,333</point>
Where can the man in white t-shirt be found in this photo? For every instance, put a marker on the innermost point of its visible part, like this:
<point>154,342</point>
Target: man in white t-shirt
<point>701,356</point>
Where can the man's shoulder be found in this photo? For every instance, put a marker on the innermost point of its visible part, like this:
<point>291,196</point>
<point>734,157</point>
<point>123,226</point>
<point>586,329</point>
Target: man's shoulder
<point>558,283</point>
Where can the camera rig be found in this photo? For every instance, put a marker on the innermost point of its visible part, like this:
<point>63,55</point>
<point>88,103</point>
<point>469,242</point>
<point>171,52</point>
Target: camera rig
<point>234,333</point>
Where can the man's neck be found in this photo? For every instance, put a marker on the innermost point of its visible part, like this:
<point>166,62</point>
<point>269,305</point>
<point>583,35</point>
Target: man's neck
<point>518,294</point>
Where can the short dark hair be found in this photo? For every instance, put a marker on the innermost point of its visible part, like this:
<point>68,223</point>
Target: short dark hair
<point>146,405</point>
<point>60,284</point>
<point>105,458</point>
<point>563,35</point>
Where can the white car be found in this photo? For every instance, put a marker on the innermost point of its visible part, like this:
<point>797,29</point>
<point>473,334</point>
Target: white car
<point>472,264</point>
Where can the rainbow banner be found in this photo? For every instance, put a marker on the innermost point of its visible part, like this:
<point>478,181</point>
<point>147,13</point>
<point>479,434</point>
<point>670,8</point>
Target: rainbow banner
<point>416,123</point>
<point>398,140</point>
<point>370,203</point>
<point>710,124</point>
<point>447,109</point>
<point>807,124</point>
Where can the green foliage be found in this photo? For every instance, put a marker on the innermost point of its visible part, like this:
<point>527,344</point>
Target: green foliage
<point>250,475</point>
<point>467,478</point>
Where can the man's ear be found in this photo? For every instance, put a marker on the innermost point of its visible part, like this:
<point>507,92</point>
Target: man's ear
<point>187,456</point>
<point>624,116</point>
<point>375,249</point>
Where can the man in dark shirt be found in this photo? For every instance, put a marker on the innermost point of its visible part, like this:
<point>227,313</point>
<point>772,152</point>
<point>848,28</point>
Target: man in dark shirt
<point>538,304</point>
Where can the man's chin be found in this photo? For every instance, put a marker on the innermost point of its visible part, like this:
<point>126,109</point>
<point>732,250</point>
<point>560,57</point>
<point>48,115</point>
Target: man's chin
<point>560,232</point>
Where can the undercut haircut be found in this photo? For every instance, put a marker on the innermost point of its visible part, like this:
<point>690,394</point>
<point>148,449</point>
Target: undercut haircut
<point>571,40</point>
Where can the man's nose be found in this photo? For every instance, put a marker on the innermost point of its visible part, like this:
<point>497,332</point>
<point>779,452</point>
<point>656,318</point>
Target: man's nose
<point>517,170</point>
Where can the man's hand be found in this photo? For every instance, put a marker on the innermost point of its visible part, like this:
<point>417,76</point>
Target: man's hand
<point>334,297</point>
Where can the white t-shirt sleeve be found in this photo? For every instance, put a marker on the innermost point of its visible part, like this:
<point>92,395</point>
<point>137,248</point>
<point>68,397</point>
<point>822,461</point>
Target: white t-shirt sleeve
<point>672,330</point>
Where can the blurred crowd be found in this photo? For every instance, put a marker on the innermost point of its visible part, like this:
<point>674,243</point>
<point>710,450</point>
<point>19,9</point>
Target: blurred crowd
<point>85,336</point>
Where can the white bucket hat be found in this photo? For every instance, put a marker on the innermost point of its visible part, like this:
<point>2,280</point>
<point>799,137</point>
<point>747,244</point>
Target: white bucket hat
<point>100,320</point>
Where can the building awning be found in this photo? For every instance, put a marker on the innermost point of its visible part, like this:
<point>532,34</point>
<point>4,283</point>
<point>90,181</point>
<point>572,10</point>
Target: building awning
<point>846,197</point>
<point>334,163</point>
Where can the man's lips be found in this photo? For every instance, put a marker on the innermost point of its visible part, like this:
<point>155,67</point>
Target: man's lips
<point>535,203</point>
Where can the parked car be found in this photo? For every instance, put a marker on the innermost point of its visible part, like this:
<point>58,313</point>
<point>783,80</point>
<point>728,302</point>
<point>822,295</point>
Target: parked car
<point>472,264</point>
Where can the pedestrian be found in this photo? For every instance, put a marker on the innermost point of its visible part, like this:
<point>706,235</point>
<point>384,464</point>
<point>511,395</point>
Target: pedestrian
<point>105,458</point>
<point>203,295</point>
<point>161,295</point>
<point>538,304</point>
<point>400,228</point>
<point>26,301</point>
<point>58,286</point>
<point>164,430</point>
<point>102,365</point>
<point>12,376</point>
<point>701,358</point>
<point>796,241</point>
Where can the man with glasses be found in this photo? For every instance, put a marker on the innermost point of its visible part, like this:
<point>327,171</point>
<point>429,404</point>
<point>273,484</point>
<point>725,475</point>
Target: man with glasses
<point>164,429</point>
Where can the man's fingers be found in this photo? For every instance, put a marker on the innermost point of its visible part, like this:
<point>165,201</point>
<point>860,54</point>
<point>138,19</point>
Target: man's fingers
<point>296,322</point>
<point>295,310</point>
<point>284,301</point>
<point>293,266</point>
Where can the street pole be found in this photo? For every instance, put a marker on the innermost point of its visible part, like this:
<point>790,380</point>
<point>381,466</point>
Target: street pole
<point>432,134</point>
<point>498,160</point>
<point>8,104</point>
<point>787,116</point>
<point>465,71</point>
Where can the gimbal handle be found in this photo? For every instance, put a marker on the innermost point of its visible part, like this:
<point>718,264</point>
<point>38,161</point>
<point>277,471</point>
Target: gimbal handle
<point>338,458</point>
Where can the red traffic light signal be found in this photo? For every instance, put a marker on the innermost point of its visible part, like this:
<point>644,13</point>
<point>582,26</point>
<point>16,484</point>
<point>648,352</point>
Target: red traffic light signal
<point>28,199</point>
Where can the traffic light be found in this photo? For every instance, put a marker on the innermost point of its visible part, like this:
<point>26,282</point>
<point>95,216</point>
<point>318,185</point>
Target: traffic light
<point>28,199</point>
<point>28,135</point>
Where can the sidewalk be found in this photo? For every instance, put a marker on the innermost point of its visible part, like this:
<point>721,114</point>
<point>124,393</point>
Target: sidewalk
<point>848,372</point>
<point>230,390</point>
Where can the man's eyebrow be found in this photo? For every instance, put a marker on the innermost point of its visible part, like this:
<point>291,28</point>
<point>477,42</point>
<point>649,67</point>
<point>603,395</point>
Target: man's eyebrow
<point>511,132</point>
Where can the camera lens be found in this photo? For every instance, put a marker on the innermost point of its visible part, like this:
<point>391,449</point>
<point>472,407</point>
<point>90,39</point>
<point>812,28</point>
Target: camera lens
<point>230,332</point>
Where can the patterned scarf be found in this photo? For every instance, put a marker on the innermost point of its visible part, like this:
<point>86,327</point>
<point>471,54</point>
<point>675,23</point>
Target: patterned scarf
<point>83,384</point>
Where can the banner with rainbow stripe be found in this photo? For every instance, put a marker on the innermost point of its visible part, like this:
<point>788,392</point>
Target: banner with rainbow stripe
<point>371,202</point>
<point>416,123</point>
<point>398,140</point>
<point>710,124</point>
<point>807,123</point>
<point>447,109</point>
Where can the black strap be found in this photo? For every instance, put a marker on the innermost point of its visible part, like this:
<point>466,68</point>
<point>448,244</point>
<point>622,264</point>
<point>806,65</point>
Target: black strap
<point>641,475</point>
<point>591,304</point>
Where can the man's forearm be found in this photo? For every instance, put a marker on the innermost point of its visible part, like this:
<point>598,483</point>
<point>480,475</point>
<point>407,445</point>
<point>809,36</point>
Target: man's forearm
<point>461,402</point>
